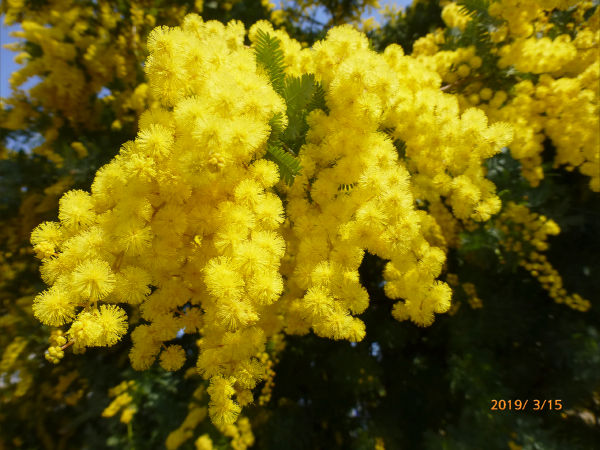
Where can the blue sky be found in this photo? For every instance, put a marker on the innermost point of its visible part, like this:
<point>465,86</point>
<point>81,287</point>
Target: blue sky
<point>7,64</point>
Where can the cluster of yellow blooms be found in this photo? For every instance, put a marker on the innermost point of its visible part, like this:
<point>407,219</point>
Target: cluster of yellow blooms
<point>22,390</point>
<point>560,102</point>
<point>123,401</point>
<point>240,433</point>
<point>75,62</point>
<point>454,17</point>
<point>355,195</point>
<point>564,110</point>
<point>520,15</point>
<point>269,379</point>
<point>9,366</point>
<point>538,56</point>
<point>196,414</point>
<point>527,235</point>
<point>184,222</point>
<point>72,382</point>
<point>187,225</point>
<point>470,292</point>
<point>56,351</point>
<point>162,213</point>
<point>474,301</point>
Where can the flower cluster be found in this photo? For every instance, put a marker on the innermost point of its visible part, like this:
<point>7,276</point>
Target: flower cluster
<point>240,433</point>
<point>75,62</point>
<point>527,235</point>
<point>196,415</point>
<point>355,194</point>
<point>186,225</point>
<point>555,91</point>
<point>186,209</point>
<point>122,402</point>
<point>454,17</point>
<point>520,16</point>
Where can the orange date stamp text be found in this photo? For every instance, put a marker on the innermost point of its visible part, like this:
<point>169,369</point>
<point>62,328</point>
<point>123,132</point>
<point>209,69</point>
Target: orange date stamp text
<point>522,405</point>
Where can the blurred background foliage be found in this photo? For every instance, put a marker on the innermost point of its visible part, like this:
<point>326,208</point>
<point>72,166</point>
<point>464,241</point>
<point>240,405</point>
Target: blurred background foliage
<point>402,387</point>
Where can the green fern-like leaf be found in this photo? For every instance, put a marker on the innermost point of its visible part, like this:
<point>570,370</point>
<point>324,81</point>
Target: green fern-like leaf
<point>318,99</point>
<point>302,95</point>
<point>474,7</point>
<point>270,56</point>
<point>277,127</point>
<point>298,91</point>
<point>289,165</point>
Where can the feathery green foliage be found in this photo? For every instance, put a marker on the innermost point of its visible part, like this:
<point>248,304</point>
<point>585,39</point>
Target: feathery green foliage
<point>477,33</point>
<point>277,127</point>
<point>289,166</point>
<point>301,94</point>
<point>270,57</point>
<point>477,8</point>
<point>298,91</point>
<point>318,99</point>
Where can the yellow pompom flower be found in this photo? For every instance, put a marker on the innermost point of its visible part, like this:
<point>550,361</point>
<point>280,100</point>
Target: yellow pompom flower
<point>172,358</point>
<point>47,233</point>
<point>265,172</point>
<point>113,321</point>
<point>155,141</point>
<point>85,330</point>
<point>93,279</point>
<point>54,306</point>
<point>76,210</point>
<point>132,285</point>
<point>100,327</point>
<point>222,409</point>
<point>127,414</point>
<point>204,442</point>
<point>222,280</point>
